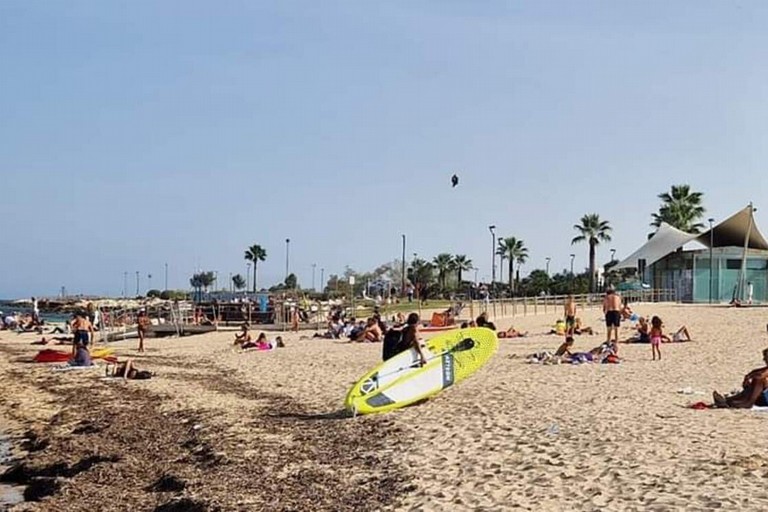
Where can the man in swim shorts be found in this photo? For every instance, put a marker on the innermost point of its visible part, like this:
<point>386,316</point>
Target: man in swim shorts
<point>612,311</point>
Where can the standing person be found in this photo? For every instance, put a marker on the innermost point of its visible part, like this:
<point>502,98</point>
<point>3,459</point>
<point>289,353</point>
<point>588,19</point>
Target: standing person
<point>656,335</point>
<point>295,318</point>
<point>81,328</point>
<point>570,315</point>
<point>35,312</point>
<point>142,324</point>
<point>612,311</point>
<point>750,291</point>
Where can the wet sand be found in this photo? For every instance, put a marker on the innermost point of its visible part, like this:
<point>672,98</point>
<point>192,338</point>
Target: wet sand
<point>222,430</point>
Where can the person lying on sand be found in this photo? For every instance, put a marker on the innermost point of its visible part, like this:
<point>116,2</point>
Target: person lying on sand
<point>244,336</point>
<point>579,328</point>
<point>682,334</point>
<point>127,370</point>
<point>755,389</point>
<point>511,333</point>
<point>262,343</point>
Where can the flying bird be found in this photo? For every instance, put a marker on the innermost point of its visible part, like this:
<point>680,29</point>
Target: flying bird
<point>454,180</point>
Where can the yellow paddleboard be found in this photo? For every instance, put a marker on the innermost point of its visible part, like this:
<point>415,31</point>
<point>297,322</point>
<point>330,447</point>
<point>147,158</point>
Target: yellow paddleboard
<point>401,381</point>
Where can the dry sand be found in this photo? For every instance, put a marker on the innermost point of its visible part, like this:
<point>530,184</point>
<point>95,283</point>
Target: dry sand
<point>264,430</point>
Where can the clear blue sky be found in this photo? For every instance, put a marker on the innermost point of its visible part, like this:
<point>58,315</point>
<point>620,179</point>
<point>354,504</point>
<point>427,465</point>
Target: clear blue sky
<point>138,133</point>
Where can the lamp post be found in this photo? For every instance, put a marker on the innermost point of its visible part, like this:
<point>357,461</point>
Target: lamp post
<point>248,276</point>
<point>166,276</point>
<point>322,280</point>
<point>149,281</point>
<point>402,270</point>
<point>125,284</point>
<point>613,253</point>
<point>572,257</point>
<point>287,252</point>
<point>313,276</point>
<point>711,264</point>
<point>493,252</point>
<point>548,260</point>
<point>137,283</point>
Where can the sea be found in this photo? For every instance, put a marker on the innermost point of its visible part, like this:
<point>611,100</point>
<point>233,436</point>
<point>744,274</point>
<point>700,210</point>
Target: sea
<point>9,307</point>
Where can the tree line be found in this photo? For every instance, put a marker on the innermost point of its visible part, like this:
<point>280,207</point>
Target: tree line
<point>445,273</point>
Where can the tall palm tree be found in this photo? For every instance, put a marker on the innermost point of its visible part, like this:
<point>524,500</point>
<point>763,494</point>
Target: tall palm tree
<point>255,253</point>
<point>443,263</point>
<point>680,208</point>
<point>461,264</point>
<point>515,251</point>
<point>593,231</point>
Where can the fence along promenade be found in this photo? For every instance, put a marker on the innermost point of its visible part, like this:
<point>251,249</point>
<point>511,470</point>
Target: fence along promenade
<point>523,306</point>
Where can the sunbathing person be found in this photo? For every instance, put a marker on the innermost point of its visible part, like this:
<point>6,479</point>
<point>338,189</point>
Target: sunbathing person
<point>755,389</point>
<point>682,334</point>
<point>244,336</point>
<point>372,332</point>
<point>260,343</point>
<point>512,333</point>
<point>580,328</point>
<point>81,356</point>
<point>482,321</point>
<point>127,370</point>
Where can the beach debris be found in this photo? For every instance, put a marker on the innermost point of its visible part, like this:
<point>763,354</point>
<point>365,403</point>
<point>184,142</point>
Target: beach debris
<point>690,391</point>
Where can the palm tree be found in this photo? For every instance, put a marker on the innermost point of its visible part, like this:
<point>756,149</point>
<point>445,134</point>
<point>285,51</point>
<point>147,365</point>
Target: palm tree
<point>461,264</point>
<point>592,230</point>
<point>515,251</point>
<point>255,253</point>
<point>680,208</point>
<point>238,282</point>
<point>443,263</point>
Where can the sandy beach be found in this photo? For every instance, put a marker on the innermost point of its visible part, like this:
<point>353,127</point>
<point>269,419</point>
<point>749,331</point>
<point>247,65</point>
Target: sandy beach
<point>222,430</point>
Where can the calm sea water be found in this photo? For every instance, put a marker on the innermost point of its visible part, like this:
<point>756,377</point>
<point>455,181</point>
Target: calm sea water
<point>10,308</point>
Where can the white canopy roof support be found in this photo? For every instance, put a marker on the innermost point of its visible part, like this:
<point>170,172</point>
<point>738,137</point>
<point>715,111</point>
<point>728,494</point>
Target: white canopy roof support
<point>666,240</point>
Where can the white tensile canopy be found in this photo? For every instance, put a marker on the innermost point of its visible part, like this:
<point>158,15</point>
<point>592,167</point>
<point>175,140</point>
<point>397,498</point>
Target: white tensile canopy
<point>732,232</point>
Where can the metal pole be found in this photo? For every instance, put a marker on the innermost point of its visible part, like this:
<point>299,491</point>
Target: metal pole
<point>322,280</point>
<point>711,264</point>
<point>166,276</point>
<point>402,271</point>
<point>137,283</point>
<point>493,253</point>
<point>287,250</point>
<point>313,276</point>
<point>548,259</point>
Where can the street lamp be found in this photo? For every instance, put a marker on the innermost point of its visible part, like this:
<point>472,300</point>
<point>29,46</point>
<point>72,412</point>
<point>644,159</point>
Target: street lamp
<point>125,284</point>
<point>137,283</point>
<point>287,251</point>
<point>711,266</point>
<point>313,276</point>
<point>572,257</point>
<point>166,276</point>
<point>548,259</point>
<point>493,252</point>
<point>248,276</point>
<point>322,280</point>
<point>402,271</point>
<point>613,252</point>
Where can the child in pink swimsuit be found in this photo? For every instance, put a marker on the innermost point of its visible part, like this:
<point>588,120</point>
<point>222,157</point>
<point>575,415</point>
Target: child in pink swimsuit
<point>656,335</point>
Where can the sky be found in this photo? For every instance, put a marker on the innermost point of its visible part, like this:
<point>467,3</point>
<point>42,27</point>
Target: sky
<point>140,133</point>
